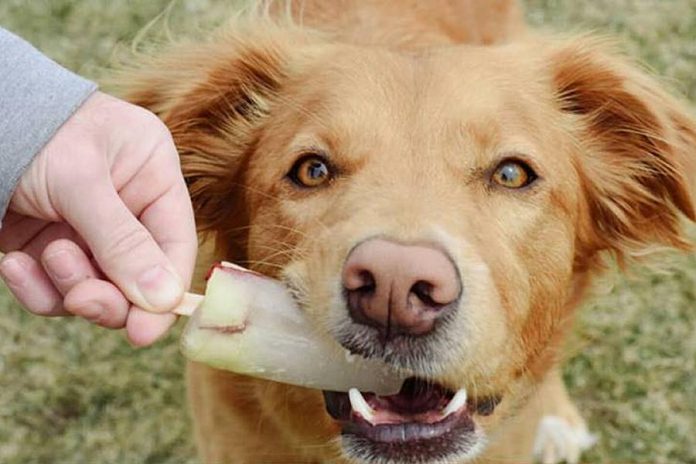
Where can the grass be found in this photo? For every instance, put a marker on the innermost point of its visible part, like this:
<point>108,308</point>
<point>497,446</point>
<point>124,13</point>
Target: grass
<point>72,393</point>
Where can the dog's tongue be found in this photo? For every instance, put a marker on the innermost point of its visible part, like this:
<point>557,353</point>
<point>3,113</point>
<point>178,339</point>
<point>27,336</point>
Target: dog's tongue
<point>417,396</point>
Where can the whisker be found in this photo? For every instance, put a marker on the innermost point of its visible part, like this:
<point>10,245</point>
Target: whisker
<point>275,226</point>
<point>250,263</point>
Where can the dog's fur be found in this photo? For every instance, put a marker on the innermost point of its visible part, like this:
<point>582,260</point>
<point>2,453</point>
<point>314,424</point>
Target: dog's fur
<point>415,104</point>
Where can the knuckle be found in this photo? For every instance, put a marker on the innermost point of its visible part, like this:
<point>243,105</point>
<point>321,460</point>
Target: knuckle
<point>126,241</point>
<point>158,133</point>
<point>126,114</point>
<point>152,122</point>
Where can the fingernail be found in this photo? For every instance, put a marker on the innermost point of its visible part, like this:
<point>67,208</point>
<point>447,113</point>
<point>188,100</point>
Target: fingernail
<point>13,272</point>
<point>160,288</point>
<point>60,264</point>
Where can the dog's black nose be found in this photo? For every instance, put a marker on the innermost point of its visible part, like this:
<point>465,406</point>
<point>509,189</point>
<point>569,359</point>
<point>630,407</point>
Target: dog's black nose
<point>399,288</point>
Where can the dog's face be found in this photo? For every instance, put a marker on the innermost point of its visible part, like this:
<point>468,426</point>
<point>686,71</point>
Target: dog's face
<point>439,211</point>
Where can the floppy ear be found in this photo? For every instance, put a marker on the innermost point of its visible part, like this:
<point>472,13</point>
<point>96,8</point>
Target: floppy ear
<point>637,157</point>
<point>214,96</point>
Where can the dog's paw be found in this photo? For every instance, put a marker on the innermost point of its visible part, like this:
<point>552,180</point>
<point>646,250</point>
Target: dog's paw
<point>559,441</point>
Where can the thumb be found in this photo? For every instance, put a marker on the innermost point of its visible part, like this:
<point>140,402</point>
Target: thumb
<point>124,249</point>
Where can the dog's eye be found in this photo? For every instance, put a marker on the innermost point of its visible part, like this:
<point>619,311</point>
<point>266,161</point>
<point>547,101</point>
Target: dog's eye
<point>310,171</point>
<point>514,174</point>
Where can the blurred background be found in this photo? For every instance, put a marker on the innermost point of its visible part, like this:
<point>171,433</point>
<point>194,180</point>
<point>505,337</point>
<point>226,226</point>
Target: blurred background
<point>73,393</point>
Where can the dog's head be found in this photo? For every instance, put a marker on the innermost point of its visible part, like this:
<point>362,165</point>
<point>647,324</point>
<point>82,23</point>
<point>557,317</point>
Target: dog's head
<point>440,210</point>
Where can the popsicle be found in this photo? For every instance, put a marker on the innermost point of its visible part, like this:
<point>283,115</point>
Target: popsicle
<point>249,324</point>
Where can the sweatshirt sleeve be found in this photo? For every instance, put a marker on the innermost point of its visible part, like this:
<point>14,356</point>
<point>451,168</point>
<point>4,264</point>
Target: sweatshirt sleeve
<point>37,96</point>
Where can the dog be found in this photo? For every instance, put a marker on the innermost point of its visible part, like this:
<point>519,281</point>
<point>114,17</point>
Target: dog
<point>438,186</point>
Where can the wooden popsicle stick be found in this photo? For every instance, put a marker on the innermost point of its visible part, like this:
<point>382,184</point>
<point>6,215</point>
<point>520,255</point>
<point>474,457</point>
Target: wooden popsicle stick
<point>188,304</point>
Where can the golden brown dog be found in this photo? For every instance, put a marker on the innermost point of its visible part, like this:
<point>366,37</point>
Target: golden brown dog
<point>437,186</point>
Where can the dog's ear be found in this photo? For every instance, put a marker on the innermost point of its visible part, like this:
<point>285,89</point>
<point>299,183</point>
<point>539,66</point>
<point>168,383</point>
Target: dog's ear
<point>214,96</point>
<point>637,150</point>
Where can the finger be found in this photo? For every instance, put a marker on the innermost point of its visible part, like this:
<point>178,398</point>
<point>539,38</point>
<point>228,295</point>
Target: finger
<point>67,265</point>
<point>144,328</point>
<point>33,237</point>
<point>170,221</point>
<point>30,285</point>
<point>54,231</point>
<point>124,249</point>
<point>167,211</point>
<point>98,301</point>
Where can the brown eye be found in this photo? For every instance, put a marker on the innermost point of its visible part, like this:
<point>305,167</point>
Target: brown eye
<point>310,171</point>
<point>513,174</point>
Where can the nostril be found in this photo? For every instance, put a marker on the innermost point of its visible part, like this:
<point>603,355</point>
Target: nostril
<point>368,282</point>
<point>423,290</point>
<point>359,287</point>
<point>360,280</point>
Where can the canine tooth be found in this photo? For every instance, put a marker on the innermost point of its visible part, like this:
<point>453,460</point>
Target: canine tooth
<point>359,405</point>
<point>456,403</point>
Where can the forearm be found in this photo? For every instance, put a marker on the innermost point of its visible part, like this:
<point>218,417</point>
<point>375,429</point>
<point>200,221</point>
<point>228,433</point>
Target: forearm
<point>37,96</point>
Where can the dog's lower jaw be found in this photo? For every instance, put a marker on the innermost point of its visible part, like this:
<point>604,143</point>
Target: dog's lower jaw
<point>464,451</point>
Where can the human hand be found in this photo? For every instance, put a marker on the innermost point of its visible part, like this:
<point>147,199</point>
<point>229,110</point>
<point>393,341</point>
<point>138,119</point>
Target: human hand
<point>101,225</point>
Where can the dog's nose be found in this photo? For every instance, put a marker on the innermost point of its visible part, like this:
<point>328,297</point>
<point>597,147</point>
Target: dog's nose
<point>399,288</point>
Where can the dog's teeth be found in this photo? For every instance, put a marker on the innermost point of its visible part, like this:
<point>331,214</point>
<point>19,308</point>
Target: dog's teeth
<point>456,403</point>
<point>359,405</point>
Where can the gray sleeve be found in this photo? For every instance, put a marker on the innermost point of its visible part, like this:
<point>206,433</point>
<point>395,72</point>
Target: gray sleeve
<point>37,96</point>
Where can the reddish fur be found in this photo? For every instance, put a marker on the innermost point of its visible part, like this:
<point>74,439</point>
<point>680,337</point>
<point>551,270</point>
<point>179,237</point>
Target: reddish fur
<point>623,150</point>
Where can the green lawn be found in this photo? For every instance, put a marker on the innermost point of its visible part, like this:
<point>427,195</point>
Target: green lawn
<point>71,393</point>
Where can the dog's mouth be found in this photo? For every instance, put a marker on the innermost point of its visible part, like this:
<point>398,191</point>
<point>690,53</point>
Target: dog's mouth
<point>423,422</point>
